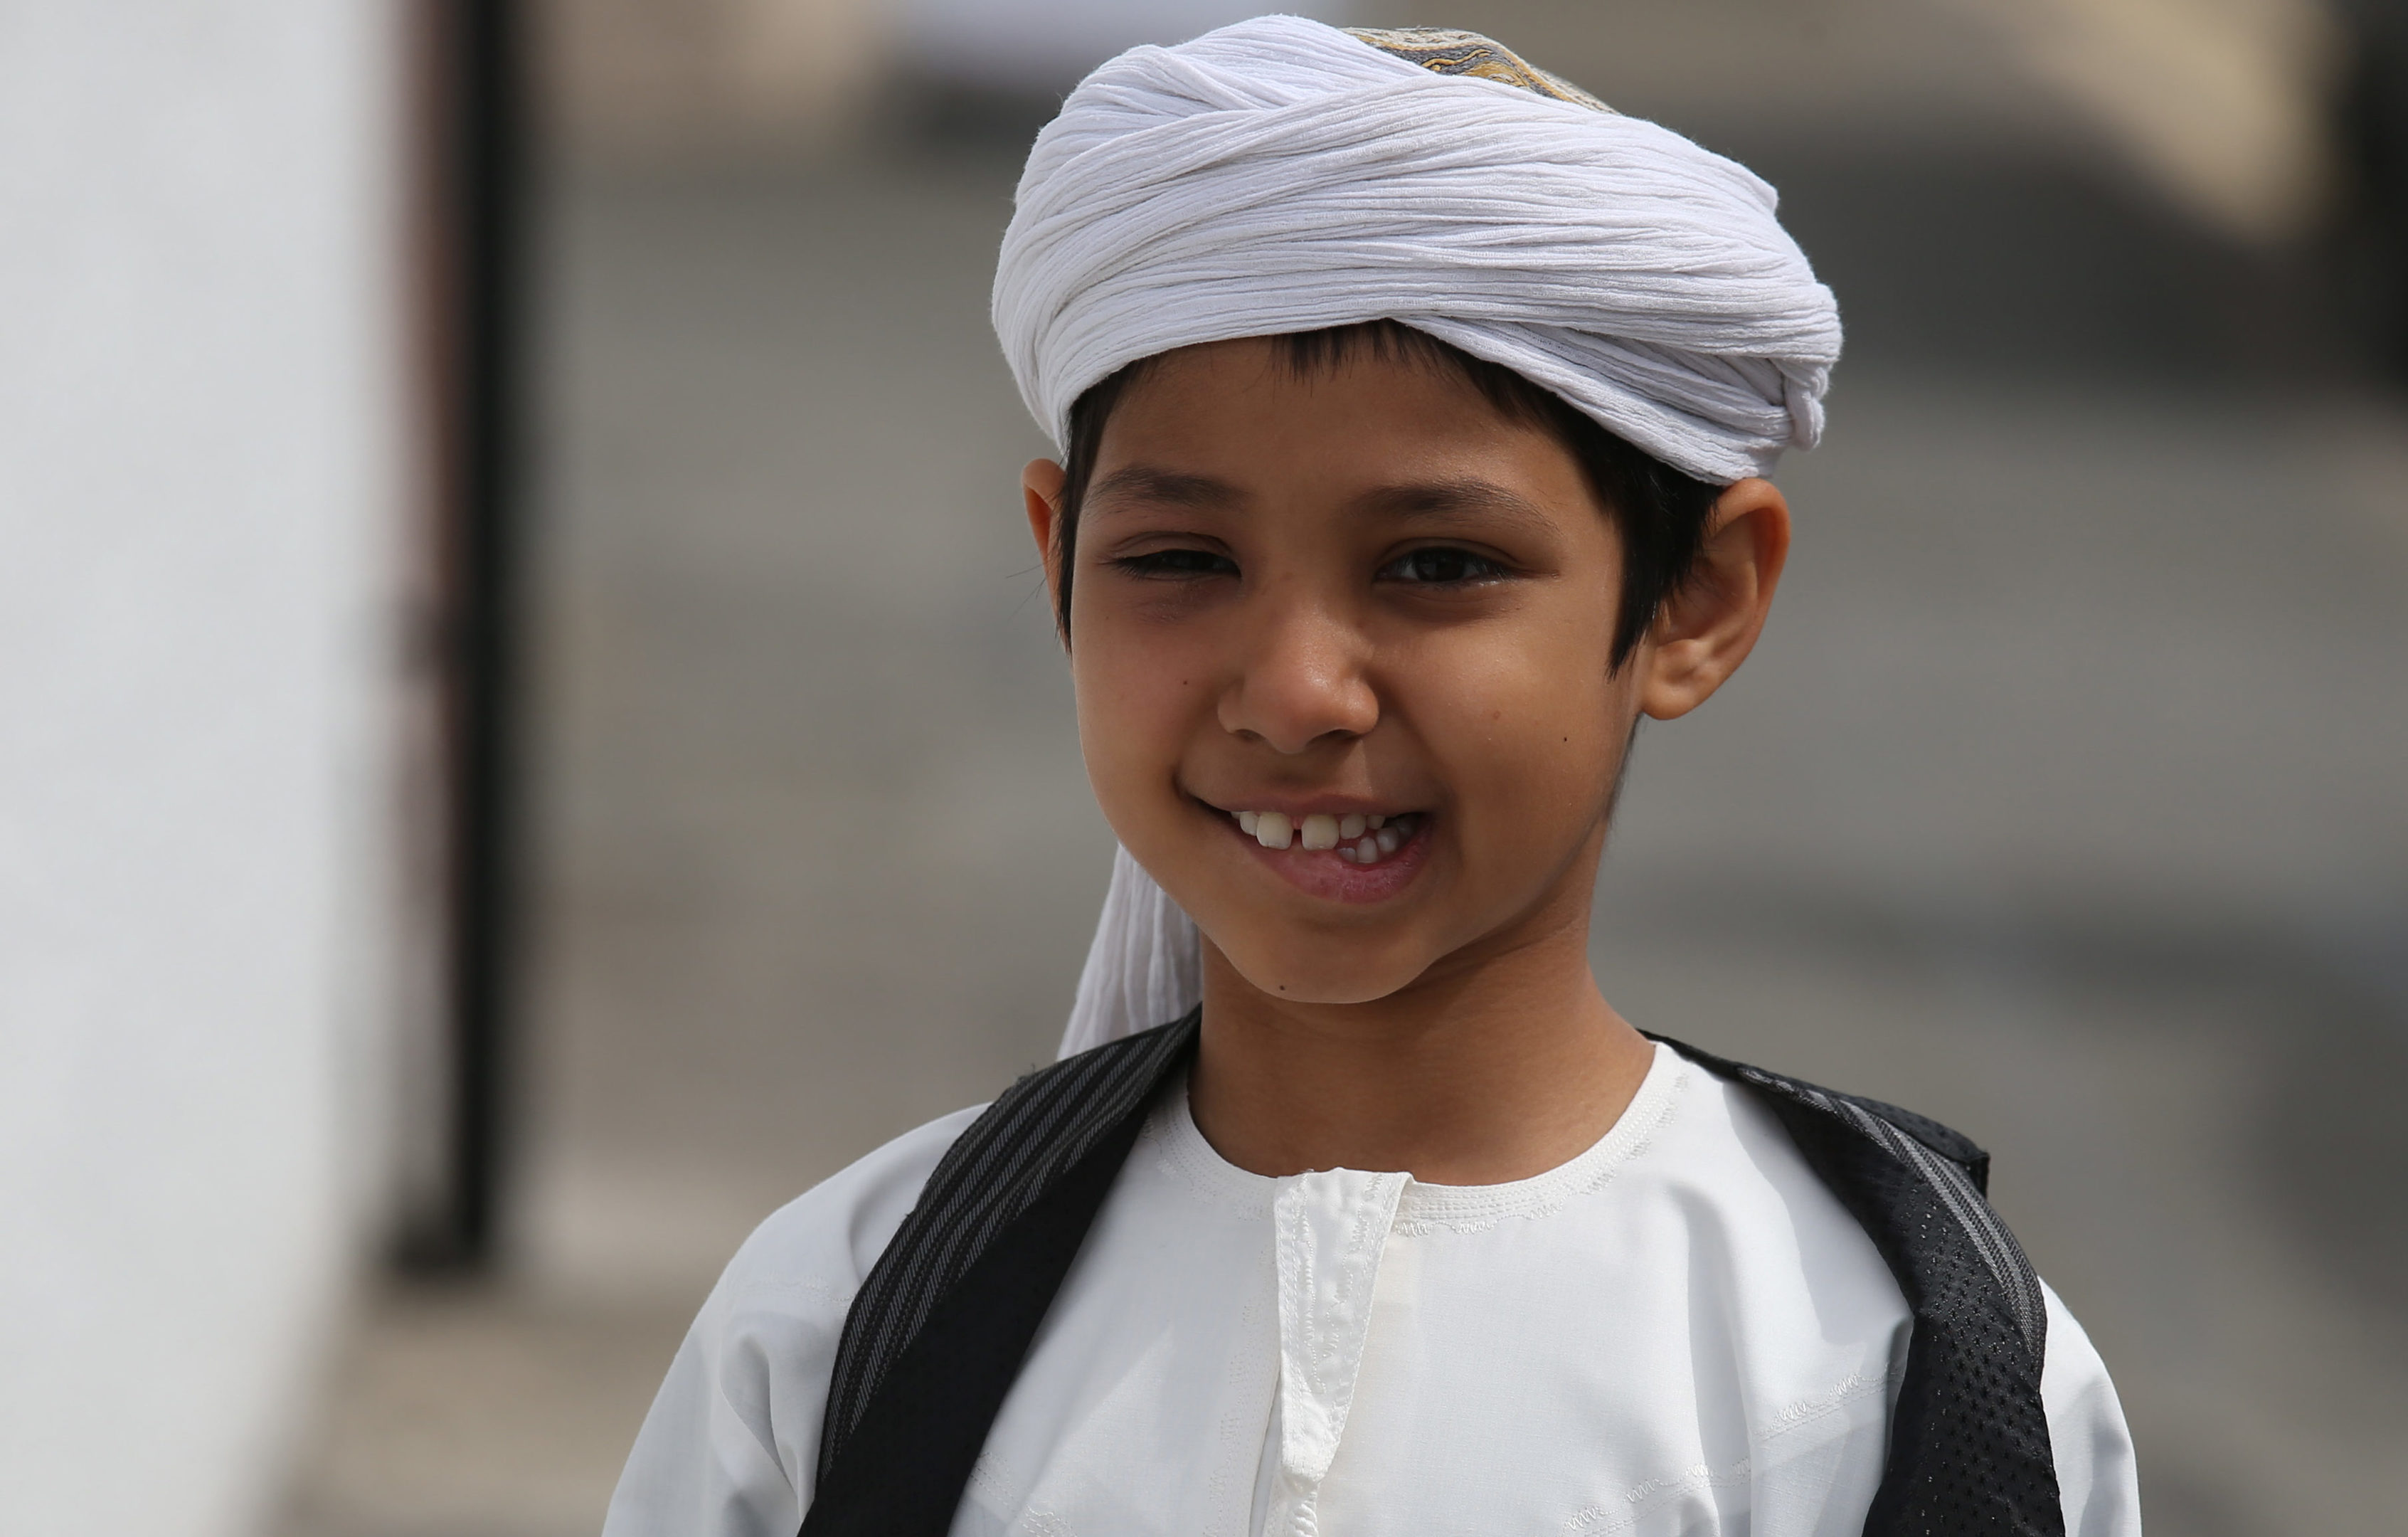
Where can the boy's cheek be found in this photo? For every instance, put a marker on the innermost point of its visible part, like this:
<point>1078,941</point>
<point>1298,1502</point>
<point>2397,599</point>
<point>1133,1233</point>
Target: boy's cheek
<point>1133,680</point>
<point>1135,728</point>
<point>1528,780</point>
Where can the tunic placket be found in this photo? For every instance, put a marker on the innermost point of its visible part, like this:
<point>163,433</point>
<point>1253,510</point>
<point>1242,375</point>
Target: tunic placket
<point>1332,1229</point>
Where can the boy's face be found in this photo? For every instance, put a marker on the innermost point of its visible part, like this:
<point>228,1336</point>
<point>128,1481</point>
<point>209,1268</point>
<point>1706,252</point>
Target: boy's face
<point>1360,594</point>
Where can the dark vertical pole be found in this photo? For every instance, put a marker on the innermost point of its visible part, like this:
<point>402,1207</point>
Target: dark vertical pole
<point>2374,142</point>
<point>472,182</point>
<point>488,162</point>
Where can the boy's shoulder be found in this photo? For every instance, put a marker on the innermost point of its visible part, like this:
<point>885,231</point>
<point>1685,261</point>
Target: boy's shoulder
<point>1887,1123</point>
<point>812,1254</point>
<point>816,1249</point>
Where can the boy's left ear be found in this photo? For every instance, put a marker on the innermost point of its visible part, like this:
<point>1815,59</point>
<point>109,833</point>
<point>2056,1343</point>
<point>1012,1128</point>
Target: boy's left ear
<point>1706,629</point>
<point>1040,490</point>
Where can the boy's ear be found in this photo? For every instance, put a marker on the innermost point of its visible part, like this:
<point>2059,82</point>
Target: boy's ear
<point>1040,489</point>
<point>1706,629</point>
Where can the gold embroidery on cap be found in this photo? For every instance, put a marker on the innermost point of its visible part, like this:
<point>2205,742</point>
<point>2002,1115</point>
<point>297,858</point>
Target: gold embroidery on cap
<point>1451,50</point>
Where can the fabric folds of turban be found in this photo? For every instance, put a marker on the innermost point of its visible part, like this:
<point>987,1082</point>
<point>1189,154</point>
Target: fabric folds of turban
<point>1281,176</point>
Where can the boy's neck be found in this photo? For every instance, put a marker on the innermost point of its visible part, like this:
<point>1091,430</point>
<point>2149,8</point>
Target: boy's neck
<point>1481,1074</point>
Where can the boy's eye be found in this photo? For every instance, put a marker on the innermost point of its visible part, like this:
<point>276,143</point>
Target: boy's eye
<point>1178,563</point>
<point>1441,565</point>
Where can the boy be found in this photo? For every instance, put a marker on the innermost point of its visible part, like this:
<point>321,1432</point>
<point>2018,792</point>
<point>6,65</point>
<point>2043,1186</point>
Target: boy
<point>1414,407</point>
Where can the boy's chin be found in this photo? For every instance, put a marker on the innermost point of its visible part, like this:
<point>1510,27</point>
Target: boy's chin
<point>1294,976</point>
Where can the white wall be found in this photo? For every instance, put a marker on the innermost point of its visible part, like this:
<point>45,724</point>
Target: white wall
<point>199,498</point>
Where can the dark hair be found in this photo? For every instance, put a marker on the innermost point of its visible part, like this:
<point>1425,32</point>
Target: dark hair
<point>1659,512</point>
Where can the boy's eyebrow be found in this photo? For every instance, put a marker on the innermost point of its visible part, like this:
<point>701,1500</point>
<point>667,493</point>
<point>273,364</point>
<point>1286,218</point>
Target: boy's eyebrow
<point>1145,484</point>
<point>1438,499</point>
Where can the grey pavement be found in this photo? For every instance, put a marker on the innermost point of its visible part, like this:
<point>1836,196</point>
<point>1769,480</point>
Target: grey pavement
<point>2067,800</point>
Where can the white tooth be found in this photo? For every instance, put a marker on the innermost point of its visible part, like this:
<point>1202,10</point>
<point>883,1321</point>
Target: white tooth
<point>1321,831</point>
<point>1272,831</point>
<point>1374,822</point>
<point>1350,826</point>
<point>1367,851</point>
<point>1246,821</point>
<point>1346,852</point>
<point>1389,838</point>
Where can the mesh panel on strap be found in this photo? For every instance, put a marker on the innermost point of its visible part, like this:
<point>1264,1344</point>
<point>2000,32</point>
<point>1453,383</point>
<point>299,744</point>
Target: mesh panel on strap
<point>1969,1448</point>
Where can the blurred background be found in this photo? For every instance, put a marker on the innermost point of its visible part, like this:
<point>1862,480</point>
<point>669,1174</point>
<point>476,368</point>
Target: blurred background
<point>531,735</point>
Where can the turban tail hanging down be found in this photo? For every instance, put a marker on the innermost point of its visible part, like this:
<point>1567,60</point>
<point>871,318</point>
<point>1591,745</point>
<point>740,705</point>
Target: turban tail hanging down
<point>1280,175</point>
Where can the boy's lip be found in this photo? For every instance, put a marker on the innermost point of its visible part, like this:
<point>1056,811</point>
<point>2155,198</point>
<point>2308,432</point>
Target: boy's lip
<point>1296,808</point>
<point>1323,872</point>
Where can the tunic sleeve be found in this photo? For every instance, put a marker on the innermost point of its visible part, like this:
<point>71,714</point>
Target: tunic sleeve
<point>707,1461</point>
<point>730,1445</point>
<point>2096,1477</point>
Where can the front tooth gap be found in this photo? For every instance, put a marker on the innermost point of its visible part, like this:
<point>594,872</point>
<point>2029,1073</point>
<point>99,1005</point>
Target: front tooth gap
<point>1319,832</point>
<point>1273,830</point>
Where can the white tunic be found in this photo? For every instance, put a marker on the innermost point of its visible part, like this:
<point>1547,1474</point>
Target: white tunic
<point>1679,1331</point>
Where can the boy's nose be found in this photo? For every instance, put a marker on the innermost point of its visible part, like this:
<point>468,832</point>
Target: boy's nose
<point>1302,682</point>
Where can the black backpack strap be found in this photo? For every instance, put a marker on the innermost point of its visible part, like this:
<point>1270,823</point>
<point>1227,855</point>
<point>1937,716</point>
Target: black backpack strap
<point>1969,1448</point>
<point>938,1333</point>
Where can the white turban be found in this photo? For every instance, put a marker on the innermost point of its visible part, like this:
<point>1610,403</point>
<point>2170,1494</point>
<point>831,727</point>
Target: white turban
<point>1281,176</point>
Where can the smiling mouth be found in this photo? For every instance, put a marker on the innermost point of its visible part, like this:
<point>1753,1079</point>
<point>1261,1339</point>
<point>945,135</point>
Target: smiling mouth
<point>1355,837</point>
